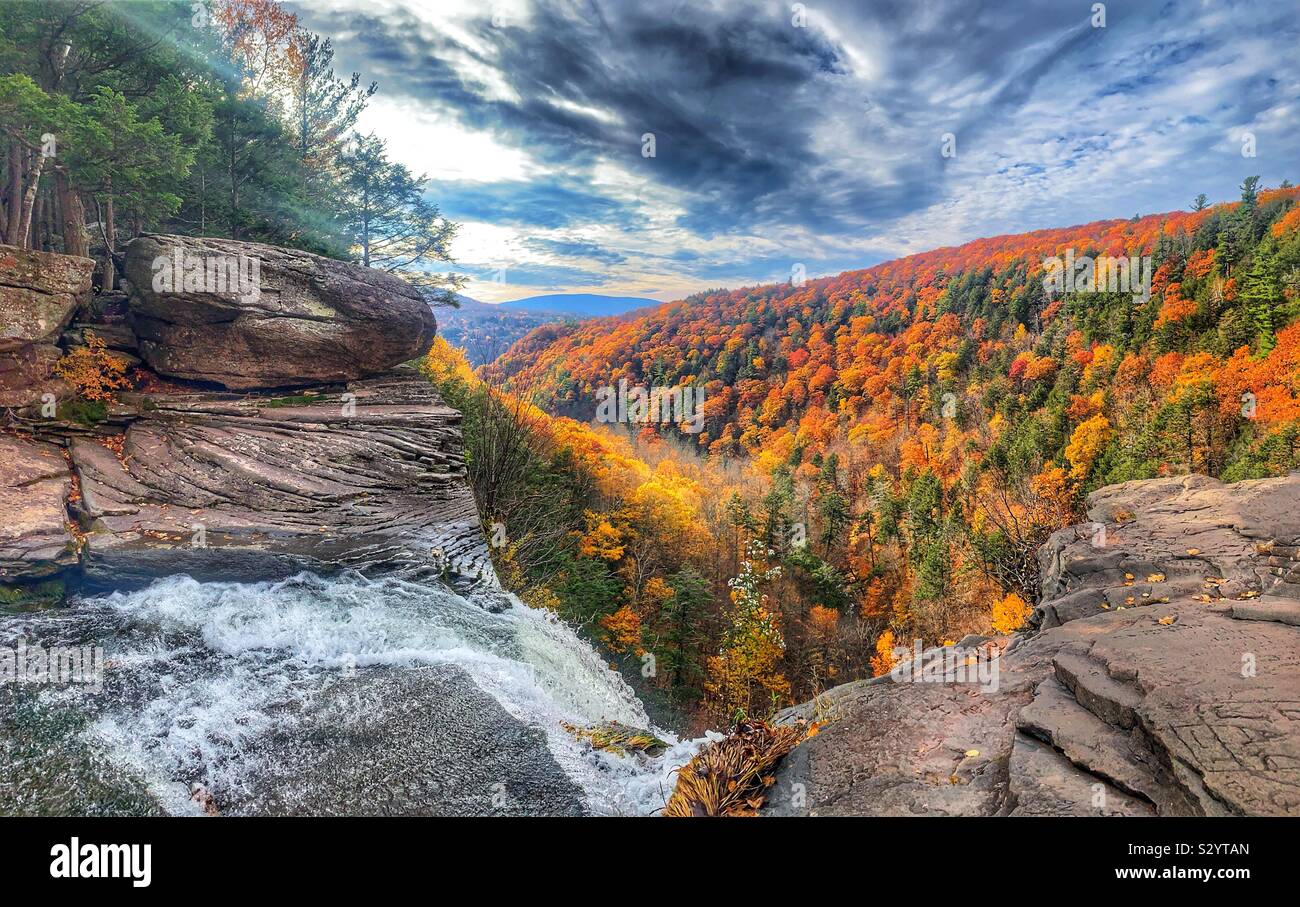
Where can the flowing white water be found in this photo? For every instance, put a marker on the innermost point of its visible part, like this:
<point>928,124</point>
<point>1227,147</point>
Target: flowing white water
<point>222,665</point>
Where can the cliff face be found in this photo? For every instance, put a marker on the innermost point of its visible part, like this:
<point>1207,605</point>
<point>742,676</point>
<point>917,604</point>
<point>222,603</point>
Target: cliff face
<point>360,466</point>
<point>1162,678</point>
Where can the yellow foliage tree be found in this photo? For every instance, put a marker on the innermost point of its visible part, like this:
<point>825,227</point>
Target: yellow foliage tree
<point>824,622</point>
<point>624,629</point>
<point>445,362</point>
<point>602,539</point>
<point>1086,445</point>
<point>1010,613</point>
<point>883,661</point>
<point>746,674</point>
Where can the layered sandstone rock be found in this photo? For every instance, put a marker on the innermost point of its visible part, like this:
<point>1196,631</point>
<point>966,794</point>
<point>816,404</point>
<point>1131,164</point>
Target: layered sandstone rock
<point>359,466</point>
<point>1165,679</point>
<point>39,294</point>
<point>248,316</point>
<point>35,540</point>
<point>219,486</point>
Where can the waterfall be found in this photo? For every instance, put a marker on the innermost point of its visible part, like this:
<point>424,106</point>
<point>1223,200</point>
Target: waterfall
<point>268,694</point>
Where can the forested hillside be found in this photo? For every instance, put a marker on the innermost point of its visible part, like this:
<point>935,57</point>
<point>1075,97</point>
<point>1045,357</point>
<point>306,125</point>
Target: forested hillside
<point>222,118</point>
<point>881,453</point>
<point>885,450</point>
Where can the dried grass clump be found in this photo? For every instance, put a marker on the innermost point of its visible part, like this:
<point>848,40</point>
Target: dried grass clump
<point>731,777</point>
<point>619,738</point>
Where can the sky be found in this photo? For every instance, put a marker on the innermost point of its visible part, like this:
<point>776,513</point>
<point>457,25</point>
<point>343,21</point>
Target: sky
<point>823,135</point>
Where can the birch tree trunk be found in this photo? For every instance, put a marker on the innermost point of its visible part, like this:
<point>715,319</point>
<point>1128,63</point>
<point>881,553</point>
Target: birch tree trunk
<point>34,167</point>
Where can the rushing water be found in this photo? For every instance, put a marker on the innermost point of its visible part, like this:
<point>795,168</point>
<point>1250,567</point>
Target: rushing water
<point>273,695</point>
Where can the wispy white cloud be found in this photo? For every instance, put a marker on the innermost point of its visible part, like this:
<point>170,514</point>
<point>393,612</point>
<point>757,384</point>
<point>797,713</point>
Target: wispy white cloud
<point>779,144</point>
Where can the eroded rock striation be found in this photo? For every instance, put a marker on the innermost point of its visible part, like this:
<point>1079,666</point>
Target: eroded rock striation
<point>358,466</point>
<point>220,486</point>
<point>1163,678</point>
<point>248,315</point>
<point>36,541</point>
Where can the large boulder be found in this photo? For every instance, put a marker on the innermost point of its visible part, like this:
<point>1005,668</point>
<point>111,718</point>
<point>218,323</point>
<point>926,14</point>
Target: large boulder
<point>35,540</point>
<point>1163,679</point>
<point>234,487</point>
<point>247,315</point>
<point>39,293</point>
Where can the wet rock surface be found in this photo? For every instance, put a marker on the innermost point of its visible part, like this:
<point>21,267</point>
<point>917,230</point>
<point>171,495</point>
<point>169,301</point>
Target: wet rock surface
<point>35,541</point>
<point>356,465</point>
<point>419,741</point>
<point>423,742</point>
<point>1164,680</point>
<point>298,319</point>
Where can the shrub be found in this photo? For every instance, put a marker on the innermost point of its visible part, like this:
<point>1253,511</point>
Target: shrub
<point>95,372</point>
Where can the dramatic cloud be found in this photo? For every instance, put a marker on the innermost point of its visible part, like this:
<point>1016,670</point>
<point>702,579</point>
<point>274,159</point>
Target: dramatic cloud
<point>806,133</point>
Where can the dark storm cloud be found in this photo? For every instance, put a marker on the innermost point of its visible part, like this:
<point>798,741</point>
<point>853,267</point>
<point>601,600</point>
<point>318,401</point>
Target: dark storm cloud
<point>835,129</point>
<point>539,204</point>
<point>732,98</point>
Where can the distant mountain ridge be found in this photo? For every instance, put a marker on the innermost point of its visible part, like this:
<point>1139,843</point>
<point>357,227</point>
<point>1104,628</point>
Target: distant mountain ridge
<point>583,305</point>
<point>484,330</point>
<point>869,357</point>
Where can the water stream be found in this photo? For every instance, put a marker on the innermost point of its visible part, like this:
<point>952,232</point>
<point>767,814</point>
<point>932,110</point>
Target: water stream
<point>315,696</point>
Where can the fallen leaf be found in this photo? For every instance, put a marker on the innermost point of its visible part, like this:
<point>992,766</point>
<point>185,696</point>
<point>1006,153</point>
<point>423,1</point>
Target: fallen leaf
<point>1167,620</point>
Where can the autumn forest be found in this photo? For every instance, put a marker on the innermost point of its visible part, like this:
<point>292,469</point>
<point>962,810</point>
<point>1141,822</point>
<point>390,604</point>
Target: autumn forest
<point>883,451</point>
<point>880,453</point>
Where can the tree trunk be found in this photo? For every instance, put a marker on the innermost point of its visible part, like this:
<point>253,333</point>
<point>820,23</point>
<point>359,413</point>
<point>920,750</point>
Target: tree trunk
<point>365,227</point>
<point>40,222</point>
<point>14,197</point>
<point>110,240</point>
<point>29,198</point>
<point>73,215</point>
